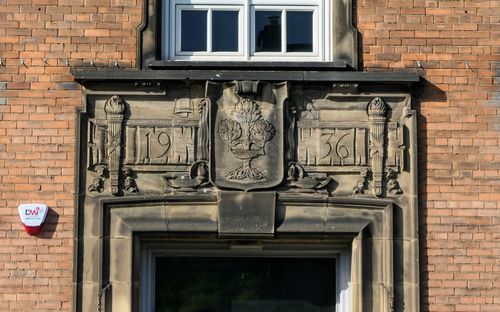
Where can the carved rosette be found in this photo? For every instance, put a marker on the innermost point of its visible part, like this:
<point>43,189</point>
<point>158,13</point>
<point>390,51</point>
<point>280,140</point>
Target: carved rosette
<point>377,111</point>
<point>115,111</point>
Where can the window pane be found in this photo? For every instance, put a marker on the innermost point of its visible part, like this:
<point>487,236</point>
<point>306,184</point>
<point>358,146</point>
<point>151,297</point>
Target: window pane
<point>234,284</point>
<point>299,33</point>
<point>268,31</point>
<point>225,31</point>
<point>193,30</point>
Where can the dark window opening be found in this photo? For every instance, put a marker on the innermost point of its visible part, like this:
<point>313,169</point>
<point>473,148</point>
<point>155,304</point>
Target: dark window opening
<point>230,284</point>
<point>193,30</point>
<point>268,31</point>
<point>225,31</point>
<point>299,32</point>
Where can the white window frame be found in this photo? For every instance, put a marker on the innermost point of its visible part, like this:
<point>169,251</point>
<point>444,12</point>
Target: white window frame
<point>171,41</point>
<point>342,265</point>
<point>291,56</point>
<point>209,8</point>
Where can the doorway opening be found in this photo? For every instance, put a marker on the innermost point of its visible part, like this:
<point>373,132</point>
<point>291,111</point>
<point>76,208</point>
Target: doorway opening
<point>229,277</point>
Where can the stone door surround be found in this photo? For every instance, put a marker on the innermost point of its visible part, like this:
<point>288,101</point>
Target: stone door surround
<point>246,160</point>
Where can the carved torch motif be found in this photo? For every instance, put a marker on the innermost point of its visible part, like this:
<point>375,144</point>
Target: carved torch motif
<point>115,110</point>
<point>377,110</point>
<point>246,134</point>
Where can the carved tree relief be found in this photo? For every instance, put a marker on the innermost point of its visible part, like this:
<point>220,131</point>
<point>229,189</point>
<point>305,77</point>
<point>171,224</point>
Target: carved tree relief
<point>247,134</point>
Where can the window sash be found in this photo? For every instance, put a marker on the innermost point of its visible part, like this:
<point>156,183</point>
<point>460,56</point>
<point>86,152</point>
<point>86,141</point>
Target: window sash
<point>209,10</point>
<point>246,32</point>
<point>283,11</point>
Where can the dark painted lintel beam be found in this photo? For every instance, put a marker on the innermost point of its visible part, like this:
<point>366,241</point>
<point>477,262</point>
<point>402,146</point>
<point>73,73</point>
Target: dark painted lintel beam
<point>85,75</point>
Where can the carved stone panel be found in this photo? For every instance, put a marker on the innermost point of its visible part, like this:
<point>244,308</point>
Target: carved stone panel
<point>343,147</point>
<point>161,144</point>
<point>250,160</point>
<point>96,145</point>
<point>334,146</point>
<point>244,135</point>
<point>247,134</point>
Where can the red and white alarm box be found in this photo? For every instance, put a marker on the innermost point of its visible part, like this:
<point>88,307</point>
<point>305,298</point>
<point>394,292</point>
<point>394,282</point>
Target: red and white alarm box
<point>33,216</point>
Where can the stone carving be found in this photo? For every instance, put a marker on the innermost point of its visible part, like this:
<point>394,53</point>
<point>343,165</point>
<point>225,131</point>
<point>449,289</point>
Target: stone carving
<point>115,110</point>
<point>161,143</point>
<point>392,182</point>
<point>308,152</point>
<point>377,110</point>
<point>395,145</point>
<point>298,178</point>
<point>362,182</point>
<point>96,145</point>
<point>129,183</point>
<point>196,178</point>
<point>390,297</point>
<point>291,125</point>
<point>316,175</point>
<point>240,135</point>
<point>98,183</point>
<point>337,146</point>
<point>183,107</point>
<point>310,111</point>
<point>203,109</point>
<point>247,87</point>
<point>246,135</point>
<point>343,147</point>
<point>154,144</point>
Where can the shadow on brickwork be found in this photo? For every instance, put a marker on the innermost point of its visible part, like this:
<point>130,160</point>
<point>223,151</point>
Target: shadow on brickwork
<point>360,36</point>
<point>50,225</point>
<point>424,91</point>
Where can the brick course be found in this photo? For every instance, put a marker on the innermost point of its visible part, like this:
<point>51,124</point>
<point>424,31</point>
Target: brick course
<point>455,41</point>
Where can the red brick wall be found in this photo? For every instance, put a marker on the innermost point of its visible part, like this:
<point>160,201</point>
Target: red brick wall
<point>456,42</point>
<point>38,102</point>
<point>458,45</point>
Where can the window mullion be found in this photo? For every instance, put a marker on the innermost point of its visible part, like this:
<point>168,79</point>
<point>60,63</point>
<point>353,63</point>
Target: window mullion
<point>283,31</point>
<point>209,30</point>
<point>247,36</point>
<point>174,25</point>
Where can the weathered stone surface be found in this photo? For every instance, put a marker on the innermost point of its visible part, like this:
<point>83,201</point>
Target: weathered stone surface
<point>247,134</point>
<point>250,160</point>
<point>250,214</point>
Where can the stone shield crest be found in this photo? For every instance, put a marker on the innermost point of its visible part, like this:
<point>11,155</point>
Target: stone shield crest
<point>247,134</point>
